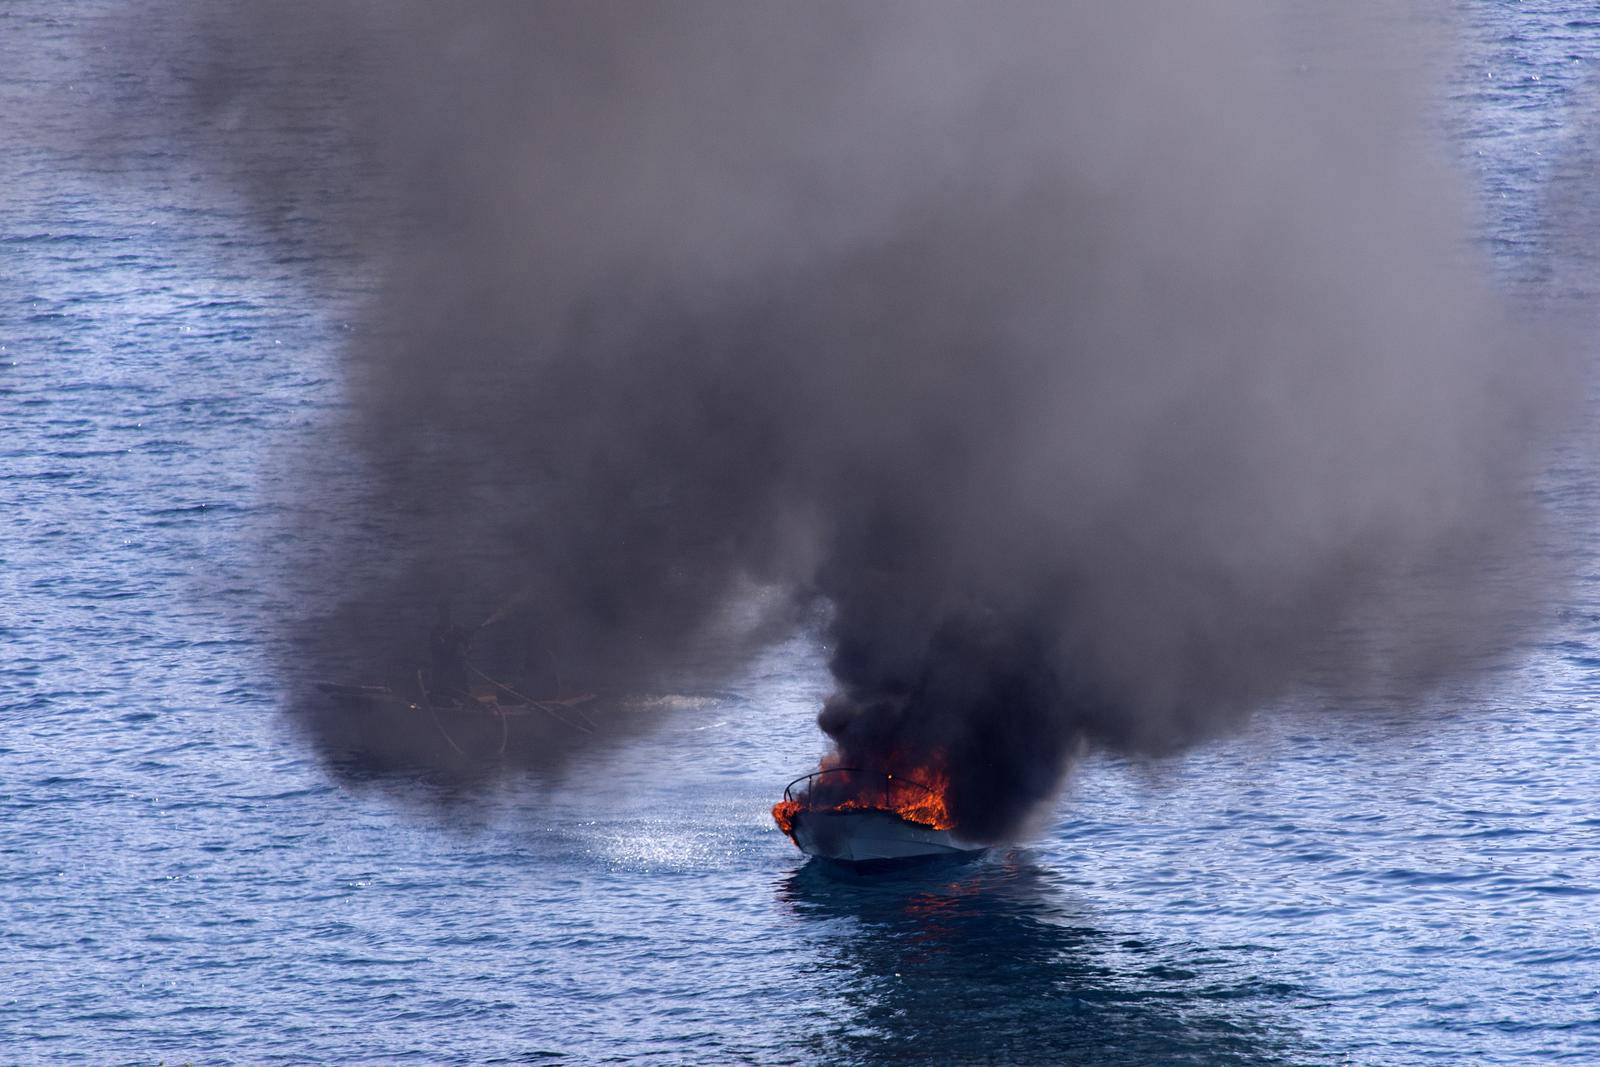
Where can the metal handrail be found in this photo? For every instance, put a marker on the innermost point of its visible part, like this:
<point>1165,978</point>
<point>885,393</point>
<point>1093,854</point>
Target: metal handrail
<point>889,779</point>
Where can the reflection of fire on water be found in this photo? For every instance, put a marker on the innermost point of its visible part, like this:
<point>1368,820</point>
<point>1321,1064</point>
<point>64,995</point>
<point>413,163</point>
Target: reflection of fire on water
<point>917,797</point>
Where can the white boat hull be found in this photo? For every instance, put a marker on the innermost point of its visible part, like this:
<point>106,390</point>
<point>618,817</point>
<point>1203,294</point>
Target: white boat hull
<point>872,837</point>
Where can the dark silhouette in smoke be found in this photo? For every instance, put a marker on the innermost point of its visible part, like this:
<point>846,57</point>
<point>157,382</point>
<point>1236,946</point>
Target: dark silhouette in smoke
<point>1104,373</point>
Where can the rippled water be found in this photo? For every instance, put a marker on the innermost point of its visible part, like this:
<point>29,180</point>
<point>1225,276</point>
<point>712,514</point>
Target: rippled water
<point>182,880</point>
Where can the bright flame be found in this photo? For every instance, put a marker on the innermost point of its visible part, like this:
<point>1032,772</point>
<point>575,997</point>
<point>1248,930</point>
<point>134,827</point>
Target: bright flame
<point>783,813</point>
<point>917,796</point>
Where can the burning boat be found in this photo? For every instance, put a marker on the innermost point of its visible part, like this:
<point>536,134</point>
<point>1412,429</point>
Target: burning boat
<point>861,817</point>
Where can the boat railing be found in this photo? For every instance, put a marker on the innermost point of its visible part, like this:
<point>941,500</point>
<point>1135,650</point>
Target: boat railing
<point>828,788</point>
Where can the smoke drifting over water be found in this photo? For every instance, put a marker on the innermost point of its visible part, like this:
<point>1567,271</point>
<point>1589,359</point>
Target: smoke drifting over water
<point>1104,370</point>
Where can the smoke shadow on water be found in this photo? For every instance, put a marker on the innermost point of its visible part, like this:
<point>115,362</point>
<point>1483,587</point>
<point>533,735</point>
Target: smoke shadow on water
<point>990,962</point>
<point>401,742</point>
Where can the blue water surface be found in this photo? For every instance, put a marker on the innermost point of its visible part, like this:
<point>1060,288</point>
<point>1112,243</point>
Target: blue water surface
<point>183,879</point>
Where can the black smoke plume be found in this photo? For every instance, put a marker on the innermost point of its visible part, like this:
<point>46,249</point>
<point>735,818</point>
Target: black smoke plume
<point>1106,371</point>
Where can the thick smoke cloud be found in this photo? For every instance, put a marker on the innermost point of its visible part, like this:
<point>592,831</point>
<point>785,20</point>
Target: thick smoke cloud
<point>1106,371</point>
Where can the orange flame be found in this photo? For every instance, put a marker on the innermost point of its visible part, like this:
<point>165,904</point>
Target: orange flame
<point>783,813</point>
<point>917,796</point>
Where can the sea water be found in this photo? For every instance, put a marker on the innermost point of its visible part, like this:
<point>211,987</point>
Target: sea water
<point>183,879</point>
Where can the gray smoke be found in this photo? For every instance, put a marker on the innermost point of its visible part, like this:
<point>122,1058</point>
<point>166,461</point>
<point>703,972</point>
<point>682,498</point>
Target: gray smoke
<point>1106,371</point>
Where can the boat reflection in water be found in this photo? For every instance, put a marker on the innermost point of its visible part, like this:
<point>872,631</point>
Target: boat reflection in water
<point>986,962</point>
